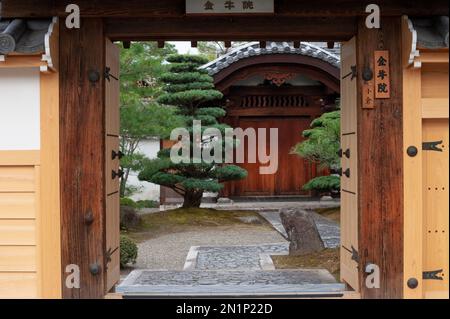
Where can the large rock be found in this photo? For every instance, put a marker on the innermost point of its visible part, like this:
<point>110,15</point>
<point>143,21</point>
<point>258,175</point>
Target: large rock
<point>302,232</point>
<point>129,218</point>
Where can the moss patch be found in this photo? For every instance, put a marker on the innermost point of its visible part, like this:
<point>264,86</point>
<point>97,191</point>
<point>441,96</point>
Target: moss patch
<point>331,213</point>
<point>179,220</point>
<point>328,259</point>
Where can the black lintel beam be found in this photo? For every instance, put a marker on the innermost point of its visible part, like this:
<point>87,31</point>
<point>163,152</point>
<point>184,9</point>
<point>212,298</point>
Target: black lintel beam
<point>224,29</point>
<point>176,8</point>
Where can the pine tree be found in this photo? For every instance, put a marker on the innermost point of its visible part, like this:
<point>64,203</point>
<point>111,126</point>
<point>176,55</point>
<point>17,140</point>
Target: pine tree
<point>321,147</point>
<point>192,90</point>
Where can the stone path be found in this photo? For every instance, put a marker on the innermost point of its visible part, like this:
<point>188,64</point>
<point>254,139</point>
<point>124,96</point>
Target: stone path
<point>251,257</point>
<point>221,282</point>
<point>228,262</point>
<point>273,217</point>
<point>329,230</point>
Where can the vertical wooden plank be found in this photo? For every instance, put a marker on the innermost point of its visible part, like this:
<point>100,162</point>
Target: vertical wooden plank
<point>381,166</point>
<point>348,87</point>
<point>349,185</point>
<point>82,157</point>
<point>436,208</point>
<point>412,183</point>
<point>38,248</point>
<point>112,163</point>
<point>50,233</point>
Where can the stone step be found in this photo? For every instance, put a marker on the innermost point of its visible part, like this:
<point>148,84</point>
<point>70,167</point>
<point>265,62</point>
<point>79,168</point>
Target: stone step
<point>150,283</point>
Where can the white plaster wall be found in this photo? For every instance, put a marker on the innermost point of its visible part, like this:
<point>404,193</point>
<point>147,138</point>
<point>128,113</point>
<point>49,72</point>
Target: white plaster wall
<point>147,191</point>
<point>19,109</point>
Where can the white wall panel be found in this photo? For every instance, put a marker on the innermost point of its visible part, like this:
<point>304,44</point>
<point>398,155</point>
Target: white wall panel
<point>19,109</point>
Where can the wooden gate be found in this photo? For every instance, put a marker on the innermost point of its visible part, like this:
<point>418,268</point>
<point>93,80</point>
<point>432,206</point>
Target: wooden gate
<point>349,180</point>
<point>112,157</point>
<point>426,161</point>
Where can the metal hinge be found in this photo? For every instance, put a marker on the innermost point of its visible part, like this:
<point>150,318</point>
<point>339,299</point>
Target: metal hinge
<point>109,254</point>
<point>353,73</point>
<point>433,275</point>
<point>108,75</point>
<point>355,255</point>
<point>432,146</point>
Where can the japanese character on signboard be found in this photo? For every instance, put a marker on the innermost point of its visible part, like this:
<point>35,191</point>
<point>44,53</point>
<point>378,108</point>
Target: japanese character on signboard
<point>382,75</point>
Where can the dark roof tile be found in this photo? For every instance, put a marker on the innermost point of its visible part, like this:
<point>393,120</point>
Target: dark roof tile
<point>23,36</point>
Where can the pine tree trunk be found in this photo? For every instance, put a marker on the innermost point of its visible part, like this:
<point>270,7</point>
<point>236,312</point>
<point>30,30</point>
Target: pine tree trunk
<point>192,199</point>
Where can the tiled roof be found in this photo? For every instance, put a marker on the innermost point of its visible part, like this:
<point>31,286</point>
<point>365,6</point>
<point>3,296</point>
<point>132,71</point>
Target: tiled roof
<point>25,36</point>
<point>432,33</point>
<point>253,49</point>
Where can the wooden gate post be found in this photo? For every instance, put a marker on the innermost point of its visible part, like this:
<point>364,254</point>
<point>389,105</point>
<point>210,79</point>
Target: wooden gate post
<point>82,159</point>
<point>380,145</point>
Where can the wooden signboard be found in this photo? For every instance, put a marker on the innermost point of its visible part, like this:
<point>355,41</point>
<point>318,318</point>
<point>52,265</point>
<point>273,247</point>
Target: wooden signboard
<point>227,7</point>
<point>368,95</point>
<point>382,75</point>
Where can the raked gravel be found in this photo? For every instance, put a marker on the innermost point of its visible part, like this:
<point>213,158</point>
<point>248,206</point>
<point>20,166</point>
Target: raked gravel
<point>169,252</point>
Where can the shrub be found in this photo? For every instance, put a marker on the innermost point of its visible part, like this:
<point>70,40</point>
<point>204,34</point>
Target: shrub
<point>323,184</point>
<point>128,251</point>
<point>147,204</point>
<point>125,201</point>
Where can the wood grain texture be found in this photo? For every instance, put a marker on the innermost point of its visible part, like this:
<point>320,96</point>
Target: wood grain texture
<point>435,108</point>
<point>413,208</point>
<point>176,8</point>
<point>18,259</point>
<point>18,285</point>
<point>23,61</point>
<point>349,161</point>
<point>436,208</point>
<point>17,206</point>
<point>19,158</point>
<point>380,143</point>
<point>238,29</point>
<point>50,213</point>
<point>17,232</point>
<point>17,179</point>
<point>112,163</point>
<point>293,172</point>
<point>82,155</point>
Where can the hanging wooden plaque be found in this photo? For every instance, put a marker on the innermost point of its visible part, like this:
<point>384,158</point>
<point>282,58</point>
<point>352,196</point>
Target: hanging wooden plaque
<point>382,75</point>
<point>368,95</point>
<point>229,7</point>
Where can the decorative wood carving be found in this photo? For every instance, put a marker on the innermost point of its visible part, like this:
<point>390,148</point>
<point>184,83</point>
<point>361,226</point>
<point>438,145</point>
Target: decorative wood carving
<point>279,78</point>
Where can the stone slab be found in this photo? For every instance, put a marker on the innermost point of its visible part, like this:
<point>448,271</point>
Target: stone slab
<point>235,283</point>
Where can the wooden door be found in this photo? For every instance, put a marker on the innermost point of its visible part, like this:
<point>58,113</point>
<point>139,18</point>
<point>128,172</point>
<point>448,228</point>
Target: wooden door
<point>293,171</point>
<point>112,165</point>
<point>255,184</point>
<point>349,180</point>
<point>426,181</point>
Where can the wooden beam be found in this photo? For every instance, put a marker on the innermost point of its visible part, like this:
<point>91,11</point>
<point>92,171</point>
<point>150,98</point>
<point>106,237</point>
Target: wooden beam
<point>239,29</point>
<point>126,44</point>
<point>50,221</point>
<point>316,90</point>
<point>380,167</point>
<point>161,44</point>
<point>176,8</point>
<point>82,156</point>
<point>413,187</point>
<point>313,111</point>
